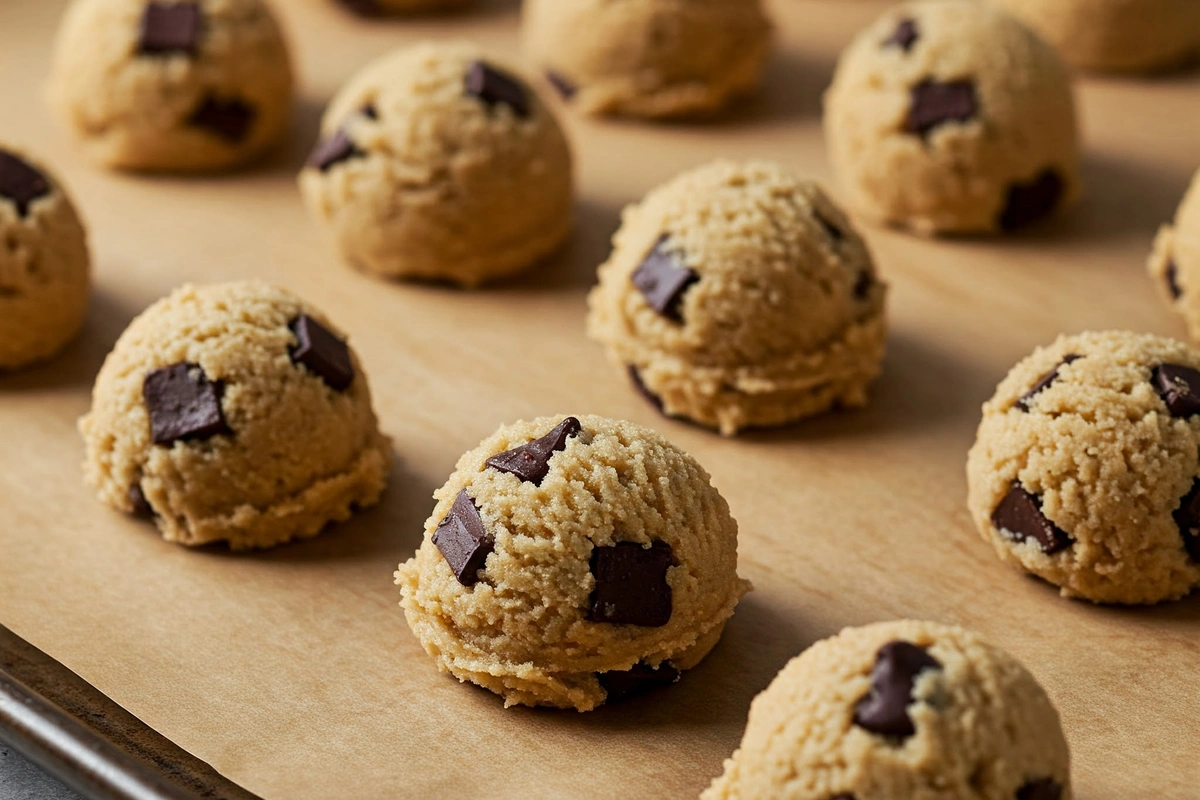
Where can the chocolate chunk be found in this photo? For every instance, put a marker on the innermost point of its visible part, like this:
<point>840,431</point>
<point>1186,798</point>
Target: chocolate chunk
<point>530,462</point>
<point>934,103</point>
<point>1019,516</point>
<point>183,404</point>
<point>463,541</point>
<point>561,84</point>
<point>662,279</point>
<point>1179,388</point>
<point>1173,281</point>
<point>1029,202</point>
<point>640,678</point>
<point>1043,789</point>
<point>1044,382</point>
<point>141,506</point>
<point>364,8</point>
<point>884,710</point>
<point>168,28</point>
<point>636,378</point>
<point>334,150</point>
<point>369,111</point>
<point>1187,517</point>
<point>862,286</point>
<point>322,352</point>
<point>905,35</point>
<point>832,230</point>
<point>20,182</point>
<point>631,584</point>
<point>493,86</point>
<point>229,119</point>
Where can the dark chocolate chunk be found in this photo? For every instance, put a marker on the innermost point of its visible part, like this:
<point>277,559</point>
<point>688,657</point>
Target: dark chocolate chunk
<point>884,710</point>
<point>631,584</point>
<point>636,378</point>
<point>141,506</point>
<point>229,119</point>
<point>1173,281</point>
<point>20,182</point>
<point>904,36</point>
<point>463,541</point>
<point>934,103</point>
<point>1019,516</point>
<point>183,404</point>
<point>862,286</point>
<point>834,232</point>
<point>662,278</point>
<point>1179,388</point>
<point>322,352</point>
<point>640,678</point>
<point>168,28</point>
<point>1027,203</point>
<point>493,86</point>
<point>334,150</point>
<point>1043,789</point>
<point>364,8</point>
<point>369,111</point>
<point>561,84</point>
<point>530,462</point>
<point>1044,382</point>
<point>1187,517</point>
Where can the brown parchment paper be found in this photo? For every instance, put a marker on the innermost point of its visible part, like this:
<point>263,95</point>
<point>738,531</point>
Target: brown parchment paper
<point>293,672</point>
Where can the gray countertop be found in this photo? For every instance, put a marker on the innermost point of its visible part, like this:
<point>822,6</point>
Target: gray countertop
<point>21,780</point>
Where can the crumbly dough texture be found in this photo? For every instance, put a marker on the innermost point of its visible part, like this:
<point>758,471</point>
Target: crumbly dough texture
<point>1116,35</point>
<point>1106,457</point>
<point>522,630</point>
<point>984,727</point>
<point>44,283</point>
<point>1175,260</point>
<point>786,320</point>
<point>446,187</point>
<point>653,58</point>
<point>301,454</point>
<point>132,111</point>
<point>956,177</point>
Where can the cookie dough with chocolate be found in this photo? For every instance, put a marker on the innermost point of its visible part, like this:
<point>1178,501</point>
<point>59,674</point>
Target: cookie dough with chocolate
<point>234,412</point>
<point>44,284</point>
<point>653,58</point>
<point>1175,261</point>
<point>436,162</point>
<point>738,295</point>
<point>952,117</point>
<point>571,561</point>
<point>907,709</point>
<point>175,86</point>
<point>1086,467</point>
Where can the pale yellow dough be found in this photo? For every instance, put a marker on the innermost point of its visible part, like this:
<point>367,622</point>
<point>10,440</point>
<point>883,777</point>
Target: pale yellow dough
<point>1107,459</point>
<point>444,186</point>
<point>377,7</point>
<point>958,176</point>
<point>134,110</point>
<point>1175,261</point>
<point>984,727</point>
<point>44,283</point>
<point>787,317</point>
<point>301,454</point>
<point>650,58</point>
<point>522,631</point>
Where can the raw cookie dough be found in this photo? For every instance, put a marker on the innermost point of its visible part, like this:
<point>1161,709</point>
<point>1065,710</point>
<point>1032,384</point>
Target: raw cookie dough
<point>1175,260</point>
<point>374,8</point>
<point>437,163</point>
<point>652,58</point>
<point>1116,35</point>
<point>234,412</point>
<point>44,284</point>
<point>172,86</point>
<point>570,561</point>
<point>912,710</point>
<point>952,117</point>
<point>738,295</point>
<point>1085,469</point>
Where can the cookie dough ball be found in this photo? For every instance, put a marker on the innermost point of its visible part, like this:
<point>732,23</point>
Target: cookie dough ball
<point>952,117</point>
<point>376,8</point>
<point>571,561</point>
<point>1175,260</point>
<point>43,263</point>
<point>738,295</point>
<point>234,412</point>
<point>172,86</point>
<point>907,709</point>
<point>654,58</point>
<point>437,163</point>
<point>1116,35</point>
<point>1085,469</point>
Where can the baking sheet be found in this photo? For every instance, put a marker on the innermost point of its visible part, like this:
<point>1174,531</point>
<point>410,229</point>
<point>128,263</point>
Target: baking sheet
<point>292,671</point>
